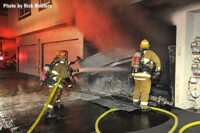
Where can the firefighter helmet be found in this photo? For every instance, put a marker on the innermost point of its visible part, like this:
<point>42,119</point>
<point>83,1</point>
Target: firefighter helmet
<point>144,44</point>
<point>62,54</point>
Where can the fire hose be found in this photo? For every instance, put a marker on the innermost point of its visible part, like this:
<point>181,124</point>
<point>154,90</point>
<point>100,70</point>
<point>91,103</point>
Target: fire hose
<point>101,116</point>
<point>45,106</point>
<point>159,99</point>
<point>153,108</point>
<point>168,113</point>
<point>195,123</point>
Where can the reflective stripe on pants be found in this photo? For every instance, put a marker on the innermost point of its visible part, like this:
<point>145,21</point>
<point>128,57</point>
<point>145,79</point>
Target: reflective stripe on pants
<point>142,89</point>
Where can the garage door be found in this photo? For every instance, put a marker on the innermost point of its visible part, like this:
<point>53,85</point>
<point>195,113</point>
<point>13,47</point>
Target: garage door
<point>28,59</point>
<point>73,47</point>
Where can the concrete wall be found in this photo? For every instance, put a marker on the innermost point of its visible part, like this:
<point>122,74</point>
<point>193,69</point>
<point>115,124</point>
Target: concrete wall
<point>60,12</point>
<point>9,46</point>
<point>187,23</point>
<point>47,26</point>
<point>3,21</point>
<point>60,33</point>
<point>197,23</point>
<point>4,26</point>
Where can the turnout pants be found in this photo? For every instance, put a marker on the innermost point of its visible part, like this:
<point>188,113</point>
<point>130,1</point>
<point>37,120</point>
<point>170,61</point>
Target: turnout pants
<point>56,98</point>
<point>141,91</point>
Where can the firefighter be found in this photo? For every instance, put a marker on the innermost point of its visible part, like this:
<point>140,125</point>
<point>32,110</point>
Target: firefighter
<point>146,65</point>
<point>60,68</point>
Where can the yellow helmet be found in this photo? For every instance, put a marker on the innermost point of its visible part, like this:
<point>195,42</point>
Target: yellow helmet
<point>144,44</point>
<point>62,54</point>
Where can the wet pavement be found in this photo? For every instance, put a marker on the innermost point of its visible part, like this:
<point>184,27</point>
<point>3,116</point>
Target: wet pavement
<point>22,98</point>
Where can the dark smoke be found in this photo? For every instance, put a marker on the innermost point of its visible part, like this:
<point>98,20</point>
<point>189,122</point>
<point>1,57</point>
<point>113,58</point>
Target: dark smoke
<point>94,18</point>
<point>116,23</point>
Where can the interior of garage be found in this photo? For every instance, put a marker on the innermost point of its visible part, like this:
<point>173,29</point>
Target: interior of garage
<point>104,34</point>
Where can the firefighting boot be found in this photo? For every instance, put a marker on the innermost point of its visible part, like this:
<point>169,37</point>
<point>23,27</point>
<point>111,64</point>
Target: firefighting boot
<point>69,83</point>
<point>58,105</point>
<point>136,103</point>
<point>145,108</point>
<point>50,116</point>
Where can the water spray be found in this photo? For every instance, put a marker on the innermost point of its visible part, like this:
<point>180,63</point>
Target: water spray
<point>103,69</point>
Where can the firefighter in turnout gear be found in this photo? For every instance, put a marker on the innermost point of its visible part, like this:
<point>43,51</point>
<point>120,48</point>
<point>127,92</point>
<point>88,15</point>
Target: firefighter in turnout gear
<point>146,64</point>
<point>60,67</point>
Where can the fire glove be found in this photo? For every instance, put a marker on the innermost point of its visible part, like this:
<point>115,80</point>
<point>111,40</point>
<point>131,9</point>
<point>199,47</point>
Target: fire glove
<point>157,73</point>
<point>76,70</point>
<point>78,58</point>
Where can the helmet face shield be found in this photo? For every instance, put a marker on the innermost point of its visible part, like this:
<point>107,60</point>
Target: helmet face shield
<point>63,54</point>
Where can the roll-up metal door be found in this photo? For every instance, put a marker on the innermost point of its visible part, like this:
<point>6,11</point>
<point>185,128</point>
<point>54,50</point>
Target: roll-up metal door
<point>72,46</point>
<point>28,59</point>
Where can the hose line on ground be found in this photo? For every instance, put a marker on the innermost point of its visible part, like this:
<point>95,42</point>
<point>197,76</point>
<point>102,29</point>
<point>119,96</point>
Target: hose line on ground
<point>195,123</point>
<point>45,106</point>
<point>171,114</point>
<point>101,116</point>
<point>153,108</point>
